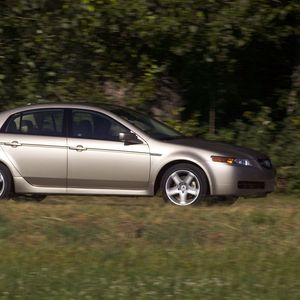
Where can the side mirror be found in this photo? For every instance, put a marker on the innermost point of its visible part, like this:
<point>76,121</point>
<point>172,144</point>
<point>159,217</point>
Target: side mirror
<point>129,138</point>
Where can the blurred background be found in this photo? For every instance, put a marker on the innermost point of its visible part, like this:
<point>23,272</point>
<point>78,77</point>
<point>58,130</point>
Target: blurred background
<point>223,70</point>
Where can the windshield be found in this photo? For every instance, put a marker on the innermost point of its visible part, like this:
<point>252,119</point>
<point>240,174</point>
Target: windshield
<point>147,124</point>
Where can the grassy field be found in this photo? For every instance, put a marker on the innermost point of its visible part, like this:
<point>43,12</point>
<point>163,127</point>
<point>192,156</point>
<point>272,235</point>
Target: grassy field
<point>141,248</point>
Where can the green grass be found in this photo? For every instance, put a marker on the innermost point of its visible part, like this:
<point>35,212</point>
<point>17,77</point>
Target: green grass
<point>140,248</point>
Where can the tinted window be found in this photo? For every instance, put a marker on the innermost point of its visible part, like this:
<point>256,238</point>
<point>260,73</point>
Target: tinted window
<point>40,122</point>
<point>86,124</point>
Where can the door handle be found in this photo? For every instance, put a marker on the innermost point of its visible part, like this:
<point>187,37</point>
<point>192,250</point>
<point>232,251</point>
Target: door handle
<point>78,148</point>
<point>13,144</point>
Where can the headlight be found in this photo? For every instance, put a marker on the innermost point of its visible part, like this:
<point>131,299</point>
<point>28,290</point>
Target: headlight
<point>232,160</point>
<point>243,162</point>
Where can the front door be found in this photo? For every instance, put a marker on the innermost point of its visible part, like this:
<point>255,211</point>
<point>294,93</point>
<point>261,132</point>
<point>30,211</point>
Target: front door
<point>98,160</point>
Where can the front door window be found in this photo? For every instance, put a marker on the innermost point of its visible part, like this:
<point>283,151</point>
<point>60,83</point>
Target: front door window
<point>90,125</point>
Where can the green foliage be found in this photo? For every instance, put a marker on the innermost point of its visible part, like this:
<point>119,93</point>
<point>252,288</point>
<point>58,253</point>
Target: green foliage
<point>190,127</point>
<point>50,50</point>
<point>64,50</point>
<point>257,131</point>
<point>285,151</point>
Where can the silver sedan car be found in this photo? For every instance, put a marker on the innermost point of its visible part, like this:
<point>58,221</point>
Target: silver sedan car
<point>110,150</point>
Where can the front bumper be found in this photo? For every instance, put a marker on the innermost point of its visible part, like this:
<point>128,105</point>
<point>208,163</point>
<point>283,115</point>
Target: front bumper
<point>242,181</point>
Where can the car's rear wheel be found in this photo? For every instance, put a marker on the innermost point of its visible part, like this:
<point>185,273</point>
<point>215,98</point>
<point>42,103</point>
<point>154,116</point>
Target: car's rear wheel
<point>184,184</point>
<point>5,182</point>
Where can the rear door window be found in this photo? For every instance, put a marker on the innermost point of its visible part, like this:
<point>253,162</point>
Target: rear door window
<point>39,122</point>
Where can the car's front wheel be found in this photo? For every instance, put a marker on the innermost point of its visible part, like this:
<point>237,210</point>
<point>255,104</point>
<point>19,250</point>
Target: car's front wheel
<point>184,184</point>
<point>5,182</point>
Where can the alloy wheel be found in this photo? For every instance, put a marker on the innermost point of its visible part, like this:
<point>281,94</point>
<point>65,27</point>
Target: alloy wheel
<point>182,187</point>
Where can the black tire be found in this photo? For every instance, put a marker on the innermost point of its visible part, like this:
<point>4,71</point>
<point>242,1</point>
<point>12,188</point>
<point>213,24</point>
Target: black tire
<point>5,182</point>
<point>184,184</point>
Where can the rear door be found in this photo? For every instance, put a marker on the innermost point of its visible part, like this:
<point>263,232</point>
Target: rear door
<point>34,142</point>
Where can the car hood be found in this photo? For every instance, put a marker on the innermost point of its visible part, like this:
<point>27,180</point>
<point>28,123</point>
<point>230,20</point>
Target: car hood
<point>222,148</point>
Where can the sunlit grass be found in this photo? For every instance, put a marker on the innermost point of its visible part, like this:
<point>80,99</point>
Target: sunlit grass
<point>141,248</point>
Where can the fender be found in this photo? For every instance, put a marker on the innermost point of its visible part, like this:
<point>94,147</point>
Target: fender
<point>158,163</point>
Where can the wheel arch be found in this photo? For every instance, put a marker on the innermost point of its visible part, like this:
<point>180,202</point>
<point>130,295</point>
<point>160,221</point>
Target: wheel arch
<point>176,162</point>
